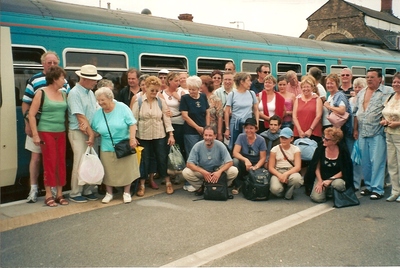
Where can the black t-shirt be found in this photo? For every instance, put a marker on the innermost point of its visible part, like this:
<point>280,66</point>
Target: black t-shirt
<point>347,92</point>
<point>196,109</point>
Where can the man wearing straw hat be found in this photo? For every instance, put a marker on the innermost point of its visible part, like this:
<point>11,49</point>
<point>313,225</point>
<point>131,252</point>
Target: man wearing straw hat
<point>81,107</point>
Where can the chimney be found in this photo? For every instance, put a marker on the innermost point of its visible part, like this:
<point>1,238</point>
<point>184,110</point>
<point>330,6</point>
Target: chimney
<point>386,6</point>
<point>185,16</point>
<point>109,5</point>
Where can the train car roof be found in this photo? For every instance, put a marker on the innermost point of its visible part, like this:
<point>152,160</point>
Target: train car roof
<point>53,10</point>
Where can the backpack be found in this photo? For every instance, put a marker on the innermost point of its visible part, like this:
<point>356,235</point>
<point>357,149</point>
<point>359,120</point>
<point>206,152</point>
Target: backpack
<point>307,148</point>
<point>256,185</point>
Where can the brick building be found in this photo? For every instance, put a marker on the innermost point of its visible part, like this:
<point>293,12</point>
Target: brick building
<point>347,23</point>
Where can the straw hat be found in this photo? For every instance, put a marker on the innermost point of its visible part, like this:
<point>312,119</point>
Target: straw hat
<point>89,72</point>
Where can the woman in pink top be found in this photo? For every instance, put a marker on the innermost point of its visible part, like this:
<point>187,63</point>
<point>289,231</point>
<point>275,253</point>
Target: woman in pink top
<point>289,99</point>
<point>307,112</point>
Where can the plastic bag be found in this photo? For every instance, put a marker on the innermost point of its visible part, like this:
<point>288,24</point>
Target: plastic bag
<point>356,153</point>
<point>91,170</point>
<point>175,159</point>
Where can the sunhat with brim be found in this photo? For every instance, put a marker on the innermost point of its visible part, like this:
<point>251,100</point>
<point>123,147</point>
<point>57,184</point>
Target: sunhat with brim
<point>89,72</point>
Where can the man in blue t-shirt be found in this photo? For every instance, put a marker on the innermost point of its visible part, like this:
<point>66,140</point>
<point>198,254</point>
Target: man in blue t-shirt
<point>207,160</point>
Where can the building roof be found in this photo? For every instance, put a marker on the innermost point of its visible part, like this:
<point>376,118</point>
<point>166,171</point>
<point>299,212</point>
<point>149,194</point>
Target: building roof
<point>387,37</point>
<point>377,14</point>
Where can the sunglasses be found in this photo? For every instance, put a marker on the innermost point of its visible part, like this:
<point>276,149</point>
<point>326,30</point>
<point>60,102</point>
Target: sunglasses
<point>344,75</point>
<point>266,72</point>
<point>325,138</point>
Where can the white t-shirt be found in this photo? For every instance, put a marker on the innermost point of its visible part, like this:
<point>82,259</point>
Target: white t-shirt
<point>280,161</point>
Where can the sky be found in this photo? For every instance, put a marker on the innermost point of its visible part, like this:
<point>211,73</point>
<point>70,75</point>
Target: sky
<point>284,17</point>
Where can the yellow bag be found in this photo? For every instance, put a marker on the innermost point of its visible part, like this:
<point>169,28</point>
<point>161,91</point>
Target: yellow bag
<point>139,150</point>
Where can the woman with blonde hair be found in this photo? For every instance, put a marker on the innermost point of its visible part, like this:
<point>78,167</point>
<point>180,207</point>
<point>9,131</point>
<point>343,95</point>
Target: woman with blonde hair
<point>154,131</point>
<point>329,167</point>
<point>307,111</point>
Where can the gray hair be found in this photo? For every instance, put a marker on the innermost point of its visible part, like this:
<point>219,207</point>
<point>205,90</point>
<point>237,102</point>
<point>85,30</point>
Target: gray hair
<point>360,81</point>
<point>105,83</point>
<point>106,91</point>
<point>193,81</point>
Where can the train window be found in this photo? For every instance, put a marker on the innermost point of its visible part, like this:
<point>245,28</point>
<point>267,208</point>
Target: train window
<point>27,56</point>
<point>283,67</point>
<point>251,66</point>
<point>358,71</point>
<point>75,58</point>
<point>151,64</point>
<point>321,67</point>
<point>26,62</point>
<point>335,69</point>
<point>389,73</point>
<point>207,65</point>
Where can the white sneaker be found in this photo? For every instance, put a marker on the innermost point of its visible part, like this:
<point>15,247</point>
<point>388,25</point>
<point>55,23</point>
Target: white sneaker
<point>32,197</point>
<point>127,198</point>
<point>107,198</point>
<point>189,188</point>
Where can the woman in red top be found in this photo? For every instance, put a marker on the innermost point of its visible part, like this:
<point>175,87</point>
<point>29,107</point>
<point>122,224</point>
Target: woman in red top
<point>307,111</point>
<point>269,103</point>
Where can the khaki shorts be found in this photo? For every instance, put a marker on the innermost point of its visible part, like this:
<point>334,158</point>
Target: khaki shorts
<point>30,146</point>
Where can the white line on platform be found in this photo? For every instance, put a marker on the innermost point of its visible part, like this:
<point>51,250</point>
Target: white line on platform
<point>234,244</point>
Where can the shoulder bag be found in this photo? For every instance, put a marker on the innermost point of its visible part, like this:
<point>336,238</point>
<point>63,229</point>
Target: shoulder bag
<point>338,120</point>
<point>346,198</point>
<point>123,147</point>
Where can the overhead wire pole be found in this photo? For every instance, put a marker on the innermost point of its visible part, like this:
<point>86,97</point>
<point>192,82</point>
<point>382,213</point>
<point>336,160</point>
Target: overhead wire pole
<point>237,23</point>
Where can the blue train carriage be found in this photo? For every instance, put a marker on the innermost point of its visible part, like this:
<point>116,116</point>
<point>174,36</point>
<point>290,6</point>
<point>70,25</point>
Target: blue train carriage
<point>114,40</point>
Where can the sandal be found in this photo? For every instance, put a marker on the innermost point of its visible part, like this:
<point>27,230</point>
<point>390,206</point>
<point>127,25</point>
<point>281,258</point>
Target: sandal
<point>62,201</point>
<point>365,192</point>
<point>236,190</point>
<point>375,196</point>
<point>50,202</point>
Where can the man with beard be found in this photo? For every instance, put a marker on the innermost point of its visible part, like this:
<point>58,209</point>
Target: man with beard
<point>207,160</point>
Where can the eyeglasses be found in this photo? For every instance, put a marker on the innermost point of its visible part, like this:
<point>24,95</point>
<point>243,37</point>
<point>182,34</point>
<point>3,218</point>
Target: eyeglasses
<point>344,75</point>
<point>266,72</point>
<point>153,90</point>
<point>325,138</point>
<point>228,69</point>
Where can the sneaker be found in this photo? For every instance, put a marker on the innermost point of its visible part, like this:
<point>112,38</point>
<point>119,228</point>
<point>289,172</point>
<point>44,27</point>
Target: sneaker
<point>398,199</point>
<point>127,198</point>
<point>189,188</point>
<point>32,197</point>
<point>78,199</point>
<point>91,197</point>
<point>392,198</point>
<point>107,198</point>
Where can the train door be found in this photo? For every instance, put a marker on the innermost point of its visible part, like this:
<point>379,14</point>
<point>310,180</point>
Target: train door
<point>8,127</point>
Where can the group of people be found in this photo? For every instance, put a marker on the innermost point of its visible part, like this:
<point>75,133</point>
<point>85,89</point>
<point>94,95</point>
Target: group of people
<point>222,122</point>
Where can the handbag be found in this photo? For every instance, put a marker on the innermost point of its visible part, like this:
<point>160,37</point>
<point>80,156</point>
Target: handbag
<point>356,153</point>
<point>256,185</point>
<point>345,199</point>
<point>338,120</point>
<point>307,148</point>
<point>217,191</point>
<point>175,159</point>
<point>121,148</point>
<point>91,170</point>
<point>39,112</point>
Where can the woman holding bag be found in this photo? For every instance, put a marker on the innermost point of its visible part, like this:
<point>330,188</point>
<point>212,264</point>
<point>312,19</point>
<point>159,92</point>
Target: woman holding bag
<point>153,127</point>
<point>49,133</point>
<point>115,122</point>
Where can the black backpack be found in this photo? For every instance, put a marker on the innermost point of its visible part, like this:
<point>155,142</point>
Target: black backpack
<point>256,185</point>
<point>217,191</point>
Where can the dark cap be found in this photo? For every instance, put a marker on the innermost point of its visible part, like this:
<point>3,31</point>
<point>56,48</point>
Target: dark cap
<point>250,121</point>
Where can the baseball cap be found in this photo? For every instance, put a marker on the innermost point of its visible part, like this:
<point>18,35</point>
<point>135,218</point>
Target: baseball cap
<point>286,132</point>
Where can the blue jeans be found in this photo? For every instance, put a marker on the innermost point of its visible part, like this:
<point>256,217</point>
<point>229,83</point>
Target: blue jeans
<point>190,141</point>
<point>373,162</point>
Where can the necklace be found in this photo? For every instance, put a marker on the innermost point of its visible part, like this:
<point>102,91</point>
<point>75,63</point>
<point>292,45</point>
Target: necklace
<point>169,96</point>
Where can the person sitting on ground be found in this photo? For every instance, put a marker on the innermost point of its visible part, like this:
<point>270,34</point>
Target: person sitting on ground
<point>329,167</point>
<point>284,165</point>
<point>249,152</point>
<point>207,160</point>
<point>271,136</point>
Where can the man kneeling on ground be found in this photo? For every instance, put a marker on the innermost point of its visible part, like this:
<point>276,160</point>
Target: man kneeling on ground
<point>207,160</point>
